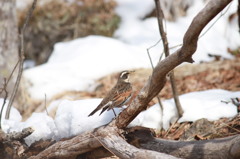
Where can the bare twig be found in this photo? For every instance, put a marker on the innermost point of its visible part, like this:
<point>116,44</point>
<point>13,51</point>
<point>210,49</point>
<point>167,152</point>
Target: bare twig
<point>158,98</point>
<point>45,103</point>
<point>160,18</point>
<point>149,56</point>
<point>4,100</point>
<point>10,76</point>
<point>21,58</point>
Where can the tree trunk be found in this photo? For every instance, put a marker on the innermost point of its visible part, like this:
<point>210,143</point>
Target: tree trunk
<point>8,43</point>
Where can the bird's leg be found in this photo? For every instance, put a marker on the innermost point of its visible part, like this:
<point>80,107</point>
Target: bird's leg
<point>114,112</point>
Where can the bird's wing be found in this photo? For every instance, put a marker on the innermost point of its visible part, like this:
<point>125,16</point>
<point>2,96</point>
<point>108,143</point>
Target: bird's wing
<point>120,99</point>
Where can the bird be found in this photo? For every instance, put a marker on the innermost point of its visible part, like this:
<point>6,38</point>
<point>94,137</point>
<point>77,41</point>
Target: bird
<point>119,95</point>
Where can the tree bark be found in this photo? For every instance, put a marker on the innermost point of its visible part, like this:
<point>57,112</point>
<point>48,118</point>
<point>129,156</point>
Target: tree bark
<point>115,143</point>
<point>142,138</point>
<point>107,137</point>
<point>224,148</point>
<point>8,43</point>
<point>11,145</point>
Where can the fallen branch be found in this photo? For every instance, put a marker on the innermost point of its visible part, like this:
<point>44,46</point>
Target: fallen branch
<point>113,142</point>
<point>142,138</point>
<point>100,152</point>
<point>19,135</point>
<point>228,148</point>
<point>78,145</point>
<point>15,135</point>
<point>13,144</point>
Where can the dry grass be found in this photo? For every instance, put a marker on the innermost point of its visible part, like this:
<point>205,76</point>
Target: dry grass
<point>202,129</point>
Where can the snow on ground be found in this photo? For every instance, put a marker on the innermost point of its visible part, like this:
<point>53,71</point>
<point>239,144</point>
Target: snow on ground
<point>75,65</point>
<point>72,116</point>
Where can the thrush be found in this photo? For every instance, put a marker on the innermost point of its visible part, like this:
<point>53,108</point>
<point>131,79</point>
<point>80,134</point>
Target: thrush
<point>119,95</point>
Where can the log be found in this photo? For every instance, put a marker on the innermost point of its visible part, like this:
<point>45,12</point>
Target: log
<point>225,148</point>
<point>115,143</point>
<point>77,145</point>
<point>12,143</point>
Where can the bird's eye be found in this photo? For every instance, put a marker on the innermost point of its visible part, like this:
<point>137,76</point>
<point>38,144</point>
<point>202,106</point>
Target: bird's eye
<point>124,75</point>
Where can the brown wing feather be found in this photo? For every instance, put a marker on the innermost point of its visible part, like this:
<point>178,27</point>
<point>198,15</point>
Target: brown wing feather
<point>118,98</point>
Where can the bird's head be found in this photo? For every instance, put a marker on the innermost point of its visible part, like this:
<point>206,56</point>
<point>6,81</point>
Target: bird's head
<point>124,76</point>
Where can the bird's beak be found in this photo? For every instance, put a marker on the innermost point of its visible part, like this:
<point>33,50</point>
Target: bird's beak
<point>131,71</point>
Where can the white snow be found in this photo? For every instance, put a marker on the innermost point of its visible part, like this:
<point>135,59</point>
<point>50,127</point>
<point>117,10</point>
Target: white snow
<point>14,114</point>
<point>77,64</point>
<point>72,116</point>
<point>196,105</point>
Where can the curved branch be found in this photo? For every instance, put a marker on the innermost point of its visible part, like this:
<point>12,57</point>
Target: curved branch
<point>114,143</point>
<point>78,145</point>
<point>184,54</point>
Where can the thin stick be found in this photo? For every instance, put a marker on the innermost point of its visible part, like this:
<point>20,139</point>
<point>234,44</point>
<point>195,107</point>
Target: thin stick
<point>4,100</point>
<point>160,18</point>
<point>158,98</point>
<point>149,56</point>
<point>21,58</point>
<point>10,76</point>
<point>45,103</point>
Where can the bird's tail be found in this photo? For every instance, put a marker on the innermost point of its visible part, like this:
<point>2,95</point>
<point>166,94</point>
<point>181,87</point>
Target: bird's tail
<point>98,108</point>
<point>93,112</point>
<point>103,110</point>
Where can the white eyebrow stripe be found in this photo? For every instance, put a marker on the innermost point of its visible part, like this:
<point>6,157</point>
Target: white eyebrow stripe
<point>123,73</point>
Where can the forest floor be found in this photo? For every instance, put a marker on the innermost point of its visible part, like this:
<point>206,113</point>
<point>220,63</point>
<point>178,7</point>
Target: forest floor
<point>219,74</point>
<point>196,77</point>
<point>222,74</point>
